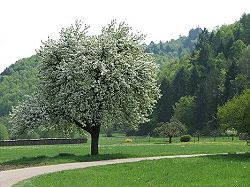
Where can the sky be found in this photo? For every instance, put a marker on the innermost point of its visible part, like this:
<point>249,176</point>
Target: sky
<point>24,24</point>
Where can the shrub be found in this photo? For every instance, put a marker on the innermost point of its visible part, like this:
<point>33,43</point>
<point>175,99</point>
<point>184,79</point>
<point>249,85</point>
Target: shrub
<point>128,140</point>
<point>4,135</point>
<point>32,135</point>
<point>248,142</point>
<point>185,138</point>
<point>109,134</point>
<point>65,154</point>
<point>29,135</point>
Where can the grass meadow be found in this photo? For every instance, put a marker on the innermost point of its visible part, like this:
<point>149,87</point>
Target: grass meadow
<point>223,170</point>
<point>113,148</point>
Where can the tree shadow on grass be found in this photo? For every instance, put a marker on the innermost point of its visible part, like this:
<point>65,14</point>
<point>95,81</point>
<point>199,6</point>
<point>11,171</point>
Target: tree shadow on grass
<point>58,159</point>
<point>232,157</point>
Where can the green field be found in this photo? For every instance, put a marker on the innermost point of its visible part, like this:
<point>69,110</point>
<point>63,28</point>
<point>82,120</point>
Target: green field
<point>226,170</point>
<point>111,148</point>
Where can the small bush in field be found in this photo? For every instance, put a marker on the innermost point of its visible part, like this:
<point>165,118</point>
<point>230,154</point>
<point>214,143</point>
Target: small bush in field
<point>185,138</point>
<point>109,134</point>
<point>128,140</point>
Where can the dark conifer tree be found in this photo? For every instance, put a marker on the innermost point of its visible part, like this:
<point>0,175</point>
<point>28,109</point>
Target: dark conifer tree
<point>229,90</point>
<point>164,108</point>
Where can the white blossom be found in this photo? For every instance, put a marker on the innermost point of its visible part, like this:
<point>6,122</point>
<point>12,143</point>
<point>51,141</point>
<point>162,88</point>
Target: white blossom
<point>93,80</point>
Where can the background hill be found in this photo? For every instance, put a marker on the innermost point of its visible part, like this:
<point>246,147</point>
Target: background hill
<point>16,81</point>
<point>176,48</point>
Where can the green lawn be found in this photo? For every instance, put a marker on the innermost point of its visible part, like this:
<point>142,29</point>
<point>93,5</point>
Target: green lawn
<point>110,148</point>
<point>226,170</point>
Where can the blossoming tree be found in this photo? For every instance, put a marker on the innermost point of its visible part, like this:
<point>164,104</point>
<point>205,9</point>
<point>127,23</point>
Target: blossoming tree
<point>89,81</point>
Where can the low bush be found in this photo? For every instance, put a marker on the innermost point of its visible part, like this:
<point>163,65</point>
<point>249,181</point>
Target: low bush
<point>128,140</point>
<point>29,135</point>
<point>109,134</point>
<point>65,154</point>
<point>185,138</point>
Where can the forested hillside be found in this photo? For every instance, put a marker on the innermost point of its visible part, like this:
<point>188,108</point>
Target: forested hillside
<point>198,73</point>
<point>16,81</point>
<point>214,72</point>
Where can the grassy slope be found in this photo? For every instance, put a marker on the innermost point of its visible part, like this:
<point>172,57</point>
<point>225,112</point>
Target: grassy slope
<point>229,170</point>
<point>24,156</point>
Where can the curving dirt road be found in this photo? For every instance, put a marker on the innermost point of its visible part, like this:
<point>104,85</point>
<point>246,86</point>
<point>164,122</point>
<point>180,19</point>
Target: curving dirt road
<point>11,177</point>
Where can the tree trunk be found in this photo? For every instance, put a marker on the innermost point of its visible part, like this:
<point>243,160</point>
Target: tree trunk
<point>170,139</point>
<point>95,131</point>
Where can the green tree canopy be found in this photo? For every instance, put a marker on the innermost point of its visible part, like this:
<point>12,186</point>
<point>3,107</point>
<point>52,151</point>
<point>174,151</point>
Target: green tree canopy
<point>244,65</point>
<point>184,111</point>
<point>235,113</point>
<point>171,129</point>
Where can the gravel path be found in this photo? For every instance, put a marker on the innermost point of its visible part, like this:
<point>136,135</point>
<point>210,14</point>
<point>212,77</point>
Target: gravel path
<point>11,177</point>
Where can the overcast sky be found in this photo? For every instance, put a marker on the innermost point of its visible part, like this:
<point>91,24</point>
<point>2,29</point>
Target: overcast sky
<point>24,23</point>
